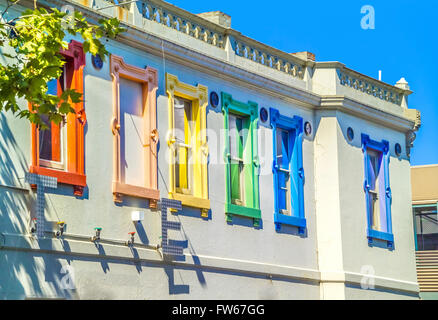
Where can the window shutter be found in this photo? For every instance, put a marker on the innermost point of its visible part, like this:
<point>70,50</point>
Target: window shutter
<point>382,195</point>
<point>75,126</point>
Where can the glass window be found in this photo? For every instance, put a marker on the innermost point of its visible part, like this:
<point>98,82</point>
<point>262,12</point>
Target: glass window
<point>288,171</point>
<point>375,161</point>
<point>378,195</point>
<point>426,224</point>
<point>238,136</point>
<point>52,140</point>
<point>187,143</point>
<point>183,151</point>
<point>59,151</point>
<point>283,161</point>
<point>132,143</point>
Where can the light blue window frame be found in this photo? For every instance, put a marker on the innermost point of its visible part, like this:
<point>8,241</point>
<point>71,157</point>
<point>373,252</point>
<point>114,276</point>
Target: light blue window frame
<point>383,147</point>
<point>294,126</point>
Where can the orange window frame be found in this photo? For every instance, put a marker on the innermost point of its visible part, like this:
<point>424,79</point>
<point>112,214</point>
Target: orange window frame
<point>74,173</point>
<point>148,77</point>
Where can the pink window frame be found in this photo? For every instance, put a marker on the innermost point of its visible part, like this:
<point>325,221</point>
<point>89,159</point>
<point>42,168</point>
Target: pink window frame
<point>148,77</point>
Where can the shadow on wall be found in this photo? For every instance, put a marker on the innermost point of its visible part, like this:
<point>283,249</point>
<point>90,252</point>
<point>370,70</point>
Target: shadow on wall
<point>34,274</point>
<point>40,275</point>
<point>22,275</point>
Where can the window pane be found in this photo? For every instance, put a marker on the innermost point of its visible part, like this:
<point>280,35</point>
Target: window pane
<point>45,140</point>
<point>234,137</point>
<point>374,167</point>
<point>426,227</point>
<point>283,161</point>
<point>236,172</point>
<point>182,155</point>
<point>284,200</point>
<point>179,112</point>
<point>52,87</point>
<point>51,144</point>
<point>283,148</point>
<point>50,141</point>
<point>237,136</point>
<point>131,132</point>
<point>183,134</point>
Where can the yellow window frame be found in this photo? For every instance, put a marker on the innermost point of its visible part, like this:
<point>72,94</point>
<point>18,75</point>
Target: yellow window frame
<point>197,196</point>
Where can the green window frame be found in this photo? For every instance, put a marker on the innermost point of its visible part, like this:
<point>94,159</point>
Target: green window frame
<point>241,159</point>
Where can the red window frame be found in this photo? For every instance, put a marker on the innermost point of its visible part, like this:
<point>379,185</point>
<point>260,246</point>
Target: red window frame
<point>74,173</point>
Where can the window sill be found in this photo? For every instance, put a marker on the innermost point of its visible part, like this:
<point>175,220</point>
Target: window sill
<point>280,219</point>
<point>191,201</point>
<point>78,181</point>
<point>232,209</point>
<point>382,236</point>
<point>120,189</point>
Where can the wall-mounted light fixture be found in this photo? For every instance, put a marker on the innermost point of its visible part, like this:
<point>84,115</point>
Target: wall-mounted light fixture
<point>60,231</point>
<point>33,227</point>
<point>130,242</point>
<point>96,237</point>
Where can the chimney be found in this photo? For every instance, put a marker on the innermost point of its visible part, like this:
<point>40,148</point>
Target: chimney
<point>217,17</point>
<point>305,55</point>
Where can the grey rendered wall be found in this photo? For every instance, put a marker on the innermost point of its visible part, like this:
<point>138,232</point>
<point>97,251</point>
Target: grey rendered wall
<point>398,264</point>
<point>39,274</point>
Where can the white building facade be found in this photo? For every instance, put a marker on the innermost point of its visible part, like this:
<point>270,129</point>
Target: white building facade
<point>298,185</point>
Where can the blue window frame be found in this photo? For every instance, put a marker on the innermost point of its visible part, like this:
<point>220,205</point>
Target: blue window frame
<point>287,168</point>
<point>377,190</point>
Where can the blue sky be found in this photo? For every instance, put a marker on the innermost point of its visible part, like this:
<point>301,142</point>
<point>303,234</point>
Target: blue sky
<point>404,43</point>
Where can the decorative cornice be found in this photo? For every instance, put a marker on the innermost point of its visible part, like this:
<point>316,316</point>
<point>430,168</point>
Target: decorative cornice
<point>148,75</point>
<point>140,39</point>
<point>76,52</point>
<point>350,106</point>
<point>277,119</point>
<point>174,85</point>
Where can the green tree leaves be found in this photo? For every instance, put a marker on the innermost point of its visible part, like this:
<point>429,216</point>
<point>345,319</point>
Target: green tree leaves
<point>34,58</point>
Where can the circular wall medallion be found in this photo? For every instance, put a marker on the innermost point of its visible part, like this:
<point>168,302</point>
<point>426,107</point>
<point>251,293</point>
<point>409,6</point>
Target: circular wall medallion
<point>263,114</point>
<point>350,133</point>
<point>97,62</point>
<point>398,149</point>
<point>214,99</point>
<point>307,128</point>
